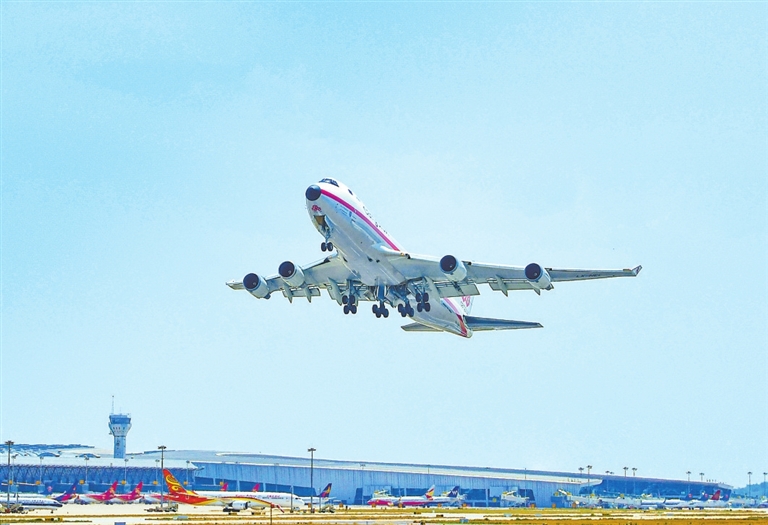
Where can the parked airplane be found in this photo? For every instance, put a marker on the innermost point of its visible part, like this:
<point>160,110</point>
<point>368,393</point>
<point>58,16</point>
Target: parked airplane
<point>715,502</point>
<point>325,494</point>
<point>447,499</point>
<point>369,265</point>
<point>417,501</point>
<point>231,501</point>
<point>131,497</point>
<point>69,496</point>
<point>24,503</point>
<point>513,499</point>
<point>104,497</point>
<point>382,498</point>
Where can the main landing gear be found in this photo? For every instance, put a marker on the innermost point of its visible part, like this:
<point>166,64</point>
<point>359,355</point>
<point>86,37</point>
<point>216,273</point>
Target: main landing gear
<point>422,302</point>
<point>380,310</point>
<point>326,246</point>
<point>350,304</point>
<point>405,310</point>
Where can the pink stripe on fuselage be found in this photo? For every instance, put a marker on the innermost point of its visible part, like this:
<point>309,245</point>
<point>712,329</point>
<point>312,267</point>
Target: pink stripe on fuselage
<point>362,216</point>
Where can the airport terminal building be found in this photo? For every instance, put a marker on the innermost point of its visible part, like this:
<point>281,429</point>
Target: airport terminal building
<point>55,468</point>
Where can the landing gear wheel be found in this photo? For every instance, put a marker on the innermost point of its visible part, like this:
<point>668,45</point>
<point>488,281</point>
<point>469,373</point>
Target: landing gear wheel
<point>425,297</point>
<point>385,313</point>
<point>323,247</point>
<point>418,297</point>
<point>344,299</point>
<point>420,307</point>
<point>375,309</point>
<point>346,309</point>
<point>353,309</point>
<point>400,308</point>
<point>427,307</point>
<point>410,310</point>
<point>329,246</point>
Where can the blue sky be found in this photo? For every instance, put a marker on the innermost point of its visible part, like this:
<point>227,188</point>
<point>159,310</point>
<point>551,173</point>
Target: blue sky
<point>153,151</point>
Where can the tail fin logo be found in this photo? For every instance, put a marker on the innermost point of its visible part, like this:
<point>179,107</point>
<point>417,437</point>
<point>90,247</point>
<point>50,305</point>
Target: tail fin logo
<point>174,487</point>
<point>430,493</point>
<point>326,491</point>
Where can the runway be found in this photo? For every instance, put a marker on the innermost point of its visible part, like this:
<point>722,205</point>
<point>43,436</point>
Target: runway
<point>137,514</point>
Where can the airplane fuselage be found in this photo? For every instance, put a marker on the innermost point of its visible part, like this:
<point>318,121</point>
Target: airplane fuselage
<point>364,245</point>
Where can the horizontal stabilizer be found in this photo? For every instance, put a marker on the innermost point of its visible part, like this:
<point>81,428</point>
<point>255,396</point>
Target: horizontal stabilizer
<point>479,324</point>
<point>418,327</point>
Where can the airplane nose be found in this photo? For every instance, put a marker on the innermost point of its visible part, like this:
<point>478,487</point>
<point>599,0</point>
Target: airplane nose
<point>313,193</point>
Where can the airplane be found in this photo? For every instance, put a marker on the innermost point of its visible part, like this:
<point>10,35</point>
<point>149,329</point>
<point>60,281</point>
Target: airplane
<point>68,496</point>
<point>590,500</point>
<point>369,265</point>
<point>131,497</point>
<point>103,497</point>
<point>324,494</point>
<point>449,498</point>
<point>713,502</point>
<point>20,504</point>
<point>512,499</point>
<point>382,498</point>
<point>231,501</point>
<point>417,501</point>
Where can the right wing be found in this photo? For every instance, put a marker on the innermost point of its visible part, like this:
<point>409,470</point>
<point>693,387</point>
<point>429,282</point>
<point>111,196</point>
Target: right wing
<point>329,273</point>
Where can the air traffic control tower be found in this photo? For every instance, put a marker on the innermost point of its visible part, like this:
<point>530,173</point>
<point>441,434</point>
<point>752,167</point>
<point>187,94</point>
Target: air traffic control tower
<point>119,425</point>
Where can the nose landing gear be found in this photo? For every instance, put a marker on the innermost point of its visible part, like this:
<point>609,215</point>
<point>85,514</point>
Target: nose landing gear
<point>326,246</point>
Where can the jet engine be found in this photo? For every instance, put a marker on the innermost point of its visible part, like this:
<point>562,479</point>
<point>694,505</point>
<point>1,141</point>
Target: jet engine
<point>453,268</point>
<point>538,277</point>
<point>239,505</point>
<point>291,274</point>
<point>256,285</point>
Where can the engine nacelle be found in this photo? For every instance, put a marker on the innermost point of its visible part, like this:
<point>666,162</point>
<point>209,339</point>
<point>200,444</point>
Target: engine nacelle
<point>256,286</point>
<point>453,268</point>
<point>239,505</point>
<point>538,277</point>
<point>291,274</point>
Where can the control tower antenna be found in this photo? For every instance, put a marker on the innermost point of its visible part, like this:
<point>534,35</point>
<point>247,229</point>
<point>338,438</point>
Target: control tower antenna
<point>119,425</point>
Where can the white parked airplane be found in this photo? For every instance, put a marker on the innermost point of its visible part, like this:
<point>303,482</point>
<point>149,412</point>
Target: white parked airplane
<point>371,266</point>
<point>24,503</point>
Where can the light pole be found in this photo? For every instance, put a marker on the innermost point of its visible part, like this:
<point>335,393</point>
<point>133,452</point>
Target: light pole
<point>749,485</point>
<point>701,475</point>
<point>634,488</point>
<point>187,482</point>
<point>689,481</point>
<point>589,485</point>
<point>311,477</point>
<point>86,471</point>
<point>625,479</point>
<point>764,484</point>
<point>162,467</point>
<point>125,473</point>
<point>10,444</point>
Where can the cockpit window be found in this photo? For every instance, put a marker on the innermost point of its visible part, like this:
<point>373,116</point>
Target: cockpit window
<point>330,181</point>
